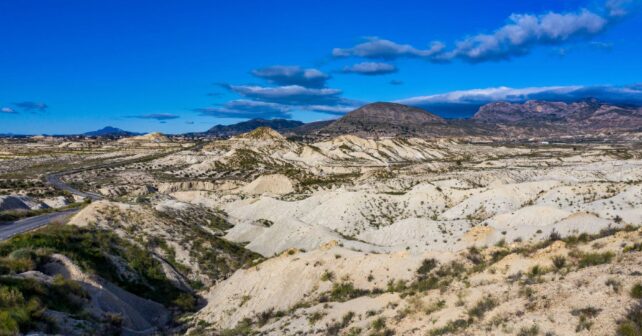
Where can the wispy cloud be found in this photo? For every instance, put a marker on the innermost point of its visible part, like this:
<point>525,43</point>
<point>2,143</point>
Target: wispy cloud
<point>601,45</point>
<point>292,75</point>
<point>466,102</point>
<point>31,106</point>
<point>243,108</point>
<point>396,82</point>
<point>618,8</point>
<point>251,109</point>
<point>377,48</point>
<point>332,109</point>
<point>371,68</point>
<point>8,110</point>
<point>156,116</point>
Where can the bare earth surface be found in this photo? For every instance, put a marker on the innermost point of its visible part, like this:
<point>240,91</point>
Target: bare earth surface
<point>353,236</point>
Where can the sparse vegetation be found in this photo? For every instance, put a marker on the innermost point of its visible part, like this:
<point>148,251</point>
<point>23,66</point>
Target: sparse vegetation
<point>636,291</point>
<point>529,331</point>
<point>594,259</point>
<point>482,307</point>
<point>93,250</point>
<point>479,201</point>
<point>450,328</point>
<point>631,325</point>
<point>344,291</point>
<point>559,262</point>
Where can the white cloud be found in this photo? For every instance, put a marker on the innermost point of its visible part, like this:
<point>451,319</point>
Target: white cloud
<point>518,36</point>
<point>371,68</point>
<point>243,108</point>
<point>523,32</point>
<point>289,94</point>
<point>292,75</point>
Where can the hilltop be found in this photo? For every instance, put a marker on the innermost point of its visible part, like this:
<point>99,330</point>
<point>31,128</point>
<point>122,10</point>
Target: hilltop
<point>384,119</point>
<point>246,126</point>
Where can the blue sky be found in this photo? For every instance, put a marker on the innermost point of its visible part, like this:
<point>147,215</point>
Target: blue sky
<point>72,66</point>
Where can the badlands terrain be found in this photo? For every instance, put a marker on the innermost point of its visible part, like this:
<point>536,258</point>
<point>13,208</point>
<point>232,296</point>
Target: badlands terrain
<point>331,232</point>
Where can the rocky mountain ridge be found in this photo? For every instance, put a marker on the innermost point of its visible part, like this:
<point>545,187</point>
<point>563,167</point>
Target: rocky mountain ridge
<point>589,114</point>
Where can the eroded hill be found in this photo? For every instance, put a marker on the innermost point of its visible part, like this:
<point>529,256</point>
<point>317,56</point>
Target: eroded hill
<point>264,234</point>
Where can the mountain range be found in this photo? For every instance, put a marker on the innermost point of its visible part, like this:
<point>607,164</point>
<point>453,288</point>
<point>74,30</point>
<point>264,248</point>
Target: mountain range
<point>499,119</point>
<point>586,114</point>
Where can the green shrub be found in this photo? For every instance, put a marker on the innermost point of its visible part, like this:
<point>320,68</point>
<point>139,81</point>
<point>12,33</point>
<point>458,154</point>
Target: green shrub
<point>585,316</point>
<point>243,328</point>
<point>531,331</point>
<point>594,259</point>
<point>450,328</point>
<point>327,276</point>
<point>185,301</point>
<point>632,325</point>
<point>93,250</point>
<point>315,317</point>
<point>559,262</point>
<point>482,307</point>
<point>378,324</point>
<point>613,283</point>
<point>427,265</point>
<point>345,291</point>
<point>636,291</point>
<point>8,325</point>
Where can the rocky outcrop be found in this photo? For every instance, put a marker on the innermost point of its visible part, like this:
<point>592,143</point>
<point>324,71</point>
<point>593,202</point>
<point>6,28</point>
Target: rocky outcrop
<point>139,314</point>
<point>171,187</point>
<point>17,202</point>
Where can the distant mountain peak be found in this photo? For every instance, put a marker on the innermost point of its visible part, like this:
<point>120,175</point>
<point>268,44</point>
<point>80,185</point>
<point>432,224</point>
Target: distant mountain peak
<point>394,113</point>
<point>110,131</point>
<point>382,118</point>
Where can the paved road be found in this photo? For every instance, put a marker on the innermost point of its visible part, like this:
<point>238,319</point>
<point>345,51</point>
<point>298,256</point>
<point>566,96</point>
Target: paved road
<point>10,229</point>
<point>54,180</point>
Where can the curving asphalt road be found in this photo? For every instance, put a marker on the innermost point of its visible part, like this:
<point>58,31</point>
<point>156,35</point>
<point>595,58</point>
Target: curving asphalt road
<point>56,182</point>
<point>10,229</point>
